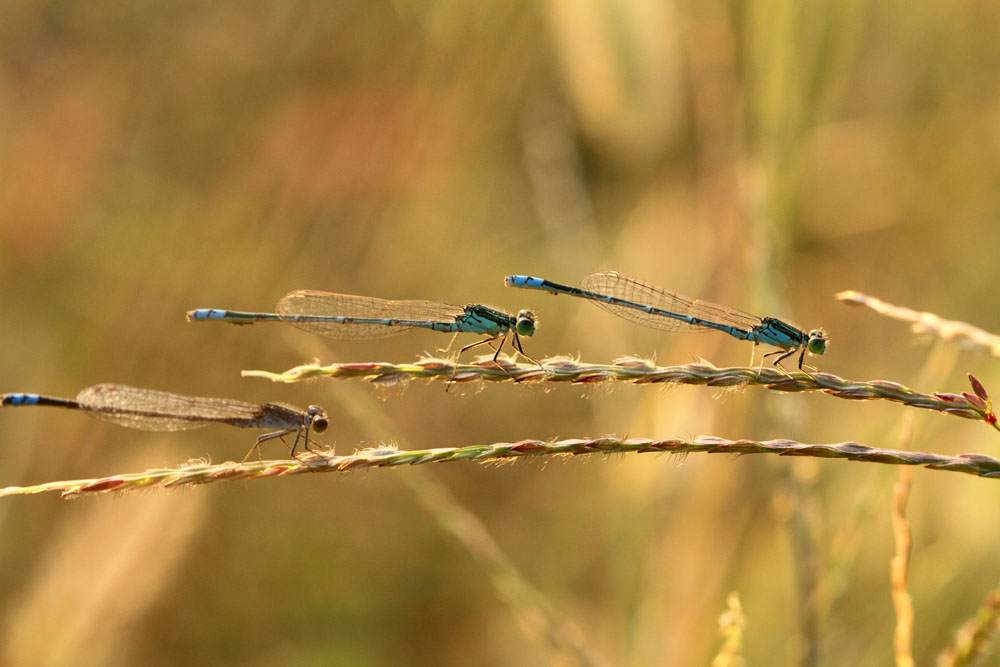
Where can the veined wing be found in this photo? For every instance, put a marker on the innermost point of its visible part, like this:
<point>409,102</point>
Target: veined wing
<point>151,410</point>
<point>313,304</point>
<point>614,284</point>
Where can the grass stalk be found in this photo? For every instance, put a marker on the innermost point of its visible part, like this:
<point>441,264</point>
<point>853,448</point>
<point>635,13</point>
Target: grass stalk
<point>633,370</point>
<point>200,472</point>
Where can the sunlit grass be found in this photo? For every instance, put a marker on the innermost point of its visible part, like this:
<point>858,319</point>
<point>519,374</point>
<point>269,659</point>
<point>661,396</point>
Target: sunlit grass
<point>314,461</point>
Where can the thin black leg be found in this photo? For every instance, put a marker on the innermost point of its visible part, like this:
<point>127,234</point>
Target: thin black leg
<point>777,362</point>
<point>490,341</point>
<point>517,346</point>
<point>496,355</point>
<point>485,341</point>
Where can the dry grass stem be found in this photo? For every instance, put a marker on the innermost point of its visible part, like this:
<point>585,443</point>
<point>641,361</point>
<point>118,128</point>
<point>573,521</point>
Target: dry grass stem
<point>973,638</point>
<point>200,472</point>
<point>732,624</point>
<point>899,571</point>
<point>640,371</point>
<point>928,323</point>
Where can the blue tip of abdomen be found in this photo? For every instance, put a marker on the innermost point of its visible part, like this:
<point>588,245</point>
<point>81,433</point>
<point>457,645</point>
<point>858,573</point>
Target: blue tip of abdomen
<point>19,399</point>
<point>206,314</point>
<point>522,281</point>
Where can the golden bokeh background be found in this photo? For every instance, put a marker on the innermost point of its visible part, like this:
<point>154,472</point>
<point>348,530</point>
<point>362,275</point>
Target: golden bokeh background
<point>158,157</point>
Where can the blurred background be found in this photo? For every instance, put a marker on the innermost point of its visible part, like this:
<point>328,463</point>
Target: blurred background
<point>167,156</point>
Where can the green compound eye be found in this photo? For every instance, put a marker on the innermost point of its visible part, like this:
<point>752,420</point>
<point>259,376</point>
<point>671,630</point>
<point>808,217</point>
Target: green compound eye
<point>817,341</point>
<point>525,324</point>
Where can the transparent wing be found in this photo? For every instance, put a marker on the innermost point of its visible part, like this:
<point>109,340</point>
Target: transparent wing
<point>612,283</point>
<point>151,410</point>
<point>327,304</point>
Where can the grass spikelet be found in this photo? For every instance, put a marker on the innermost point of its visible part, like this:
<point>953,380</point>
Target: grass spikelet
<point>633,370</point>
<point>313,461</point>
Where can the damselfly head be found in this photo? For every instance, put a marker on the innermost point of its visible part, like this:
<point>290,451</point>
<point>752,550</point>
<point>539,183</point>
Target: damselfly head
<point>817,341</point>
<point>319,421</point>
<point>525,323</point>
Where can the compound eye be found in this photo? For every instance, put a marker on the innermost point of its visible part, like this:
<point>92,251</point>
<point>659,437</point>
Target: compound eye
<point>817,341</point>
<point>319,420</point>
<point>525,324</point>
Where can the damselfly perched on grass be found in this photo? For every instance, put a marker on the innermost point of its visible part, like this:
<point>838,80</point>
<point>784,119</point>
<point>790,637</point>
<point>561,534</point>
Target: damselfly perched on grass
<point>152,410</point>
<point>655,307</point>
<point>345,316</point>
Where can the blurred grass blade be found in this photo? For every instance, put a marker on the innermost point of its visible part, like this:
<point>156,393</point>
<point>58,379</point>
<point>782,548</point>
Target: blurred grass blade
<point>928,323</point>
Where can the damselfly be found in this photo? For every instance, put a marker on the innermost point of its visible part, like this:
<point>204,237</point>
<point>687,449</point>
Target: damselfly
<point>152,410</point>
<point>655,307</point>
<point>345,316</point>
